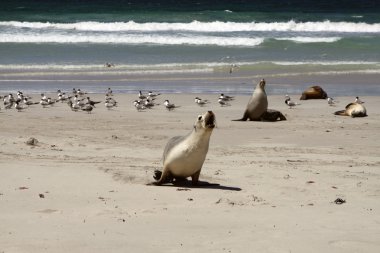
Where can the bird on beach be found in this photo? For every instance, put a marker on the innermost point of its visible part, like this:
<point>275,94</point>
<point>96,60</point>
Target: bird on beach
<point>110,103</point>
<point>139,107</point>
<point>109,92</point>
<point>289,102</point>
<point>73,106</point>
<point>223,102</point>
<point>29,102</point>
<point>19,107</point>
<point>153,95</point>
<point>141,96</point>
<point>92,103</point>
<point>8,101</point>
<point>169,105</point>
<point>200,101</point>
<point>330,101</point>
<point>149,103</point>
<point>225,97</point>
<point>87,108</point>
<point>358,101</point>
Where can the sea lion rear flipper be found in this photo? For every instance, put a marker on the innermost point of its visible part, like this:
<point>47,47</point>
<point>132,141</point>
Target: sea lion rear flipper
<point>341,113</point>
<point>245,117</point>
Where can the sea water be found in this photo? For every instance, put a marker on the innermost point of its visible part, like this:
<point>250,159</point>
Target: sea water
<point>142,38</point>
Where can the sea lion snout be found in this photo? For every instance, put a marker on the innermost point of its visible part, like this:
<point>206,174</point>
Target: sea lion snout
<point>210,119</point>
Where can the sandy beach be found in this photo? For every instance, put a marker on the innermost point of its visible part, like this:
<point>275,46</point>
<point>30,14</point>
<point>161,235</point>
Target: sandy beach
<point>83,187</point>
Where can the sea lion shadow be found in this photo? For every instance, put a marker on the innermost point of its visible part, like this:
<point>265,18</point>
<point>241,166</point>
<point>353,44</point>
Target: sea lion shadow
<point>202,185</point>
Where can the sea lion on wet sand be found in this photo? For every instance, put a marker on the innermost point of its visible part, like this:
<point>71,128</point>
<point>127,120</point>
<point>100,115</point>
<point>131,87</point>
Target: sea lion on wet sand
<point>353,110</point>
<point>184,155</point>
<point>257,107</point>
<point>314,92</point>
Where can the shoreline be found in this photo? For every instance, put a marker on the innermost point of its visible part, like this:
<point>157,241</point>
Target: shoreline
<point>237,83</point>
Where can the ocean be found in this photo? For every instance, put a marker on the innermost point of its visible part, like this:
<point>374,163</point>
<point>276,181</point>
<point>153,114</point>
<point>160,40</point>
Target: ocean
<point>44,44</point>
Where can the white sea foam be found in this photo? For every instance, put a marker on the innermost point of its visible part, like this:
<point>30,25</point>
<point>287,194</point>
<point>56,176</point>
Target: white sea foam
<point>216,26</point>
<point>196,67</point>
<point>312,39</point>
<point>131,39</point>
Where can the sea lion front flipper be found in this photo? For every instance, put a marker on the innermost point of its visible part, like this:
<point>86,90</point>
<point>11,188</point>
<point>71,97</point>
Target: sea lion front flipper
<point>195,178</point>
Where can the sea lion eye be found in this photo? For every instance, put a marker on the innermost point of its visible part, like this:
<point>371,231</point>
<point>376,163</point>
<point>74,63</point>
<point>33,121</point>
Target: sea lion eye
<point>199,117</point>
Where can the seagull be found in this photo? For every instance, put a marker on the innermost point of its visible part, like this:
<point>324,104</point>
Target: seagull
<point>111,100</point>
<point>78,101</point>
<point>87,108</point>
<point>74,107</point>
<point>8,101</point>
<point>28,102</point>
<point>225,97</point>
<point>289,102</point>
<point>109,104</point>
<point>43,97</point>
<point>141,96</point>
<point>358,101</point>
<point>152,95</point>
<point>223,102</point>
<point>44,103</point>
<point>200,102</point>
<point>139,107</point>
<point>109,92</point>
<point>169,106</point>
<point>92,103</point>
<point>330,101</point>
<point>19,107</point>
<point>149,103</point>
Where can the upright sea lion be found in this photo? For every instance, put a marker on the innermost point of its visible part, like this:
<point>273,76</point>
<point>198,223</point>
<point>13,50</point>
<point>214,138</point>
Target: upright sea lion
<point>353,110</point>
<point>314,92</point>
<point>257,107</point>
<point>184,155</point>
<point>257,104</point>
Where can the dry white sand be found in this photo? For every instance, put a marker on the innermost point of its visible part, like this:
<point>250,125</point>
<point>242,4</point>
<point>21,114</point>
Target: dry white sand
<point>278,181</point>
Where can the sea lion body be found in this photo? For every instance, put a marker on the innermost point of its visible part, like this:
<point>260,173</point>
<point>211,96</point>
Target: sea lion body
<point>314,92</point>
<point>184,155</point>
<point>257,104</point>
<point>353,110</point>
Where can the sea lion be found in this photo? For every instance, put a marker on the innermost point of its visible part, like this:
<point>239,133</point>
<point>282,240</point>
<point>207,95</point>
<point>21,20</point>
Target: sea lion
<point>184,155</point>
<point>257,107</point>
<point>314,92</point>
<point>257,104</point>
<point>353,110</point>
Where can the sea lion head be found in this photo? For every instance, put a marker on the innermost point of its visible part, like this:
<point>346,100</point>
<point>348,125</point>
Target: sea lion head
<point>262,84</point>
<point>205,121</point>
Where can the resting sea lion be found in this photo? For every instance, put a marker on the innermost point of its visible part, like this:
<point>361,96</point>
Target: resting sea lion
<point>314,92</point>
<point>353,110</point>
<point>184,155</point>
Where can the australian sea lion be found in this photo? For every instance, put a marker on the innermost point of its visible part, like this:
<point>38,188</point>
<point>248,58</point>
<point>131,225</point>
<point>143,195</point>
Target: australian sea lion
<point>353,110</point>
<point>184,155</point>
<point>257,104</point>
<point>314,92</point>
<point>257,107</point>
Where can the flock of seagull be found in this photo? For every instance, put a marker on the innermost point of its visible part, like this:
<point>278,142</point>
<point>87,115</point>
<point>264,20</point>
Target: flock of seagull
<point>79,100</point>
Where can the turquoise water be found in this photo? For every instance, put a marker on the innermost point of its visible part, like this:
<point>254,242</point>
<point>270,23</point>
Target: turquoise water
<point>191,36</point>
